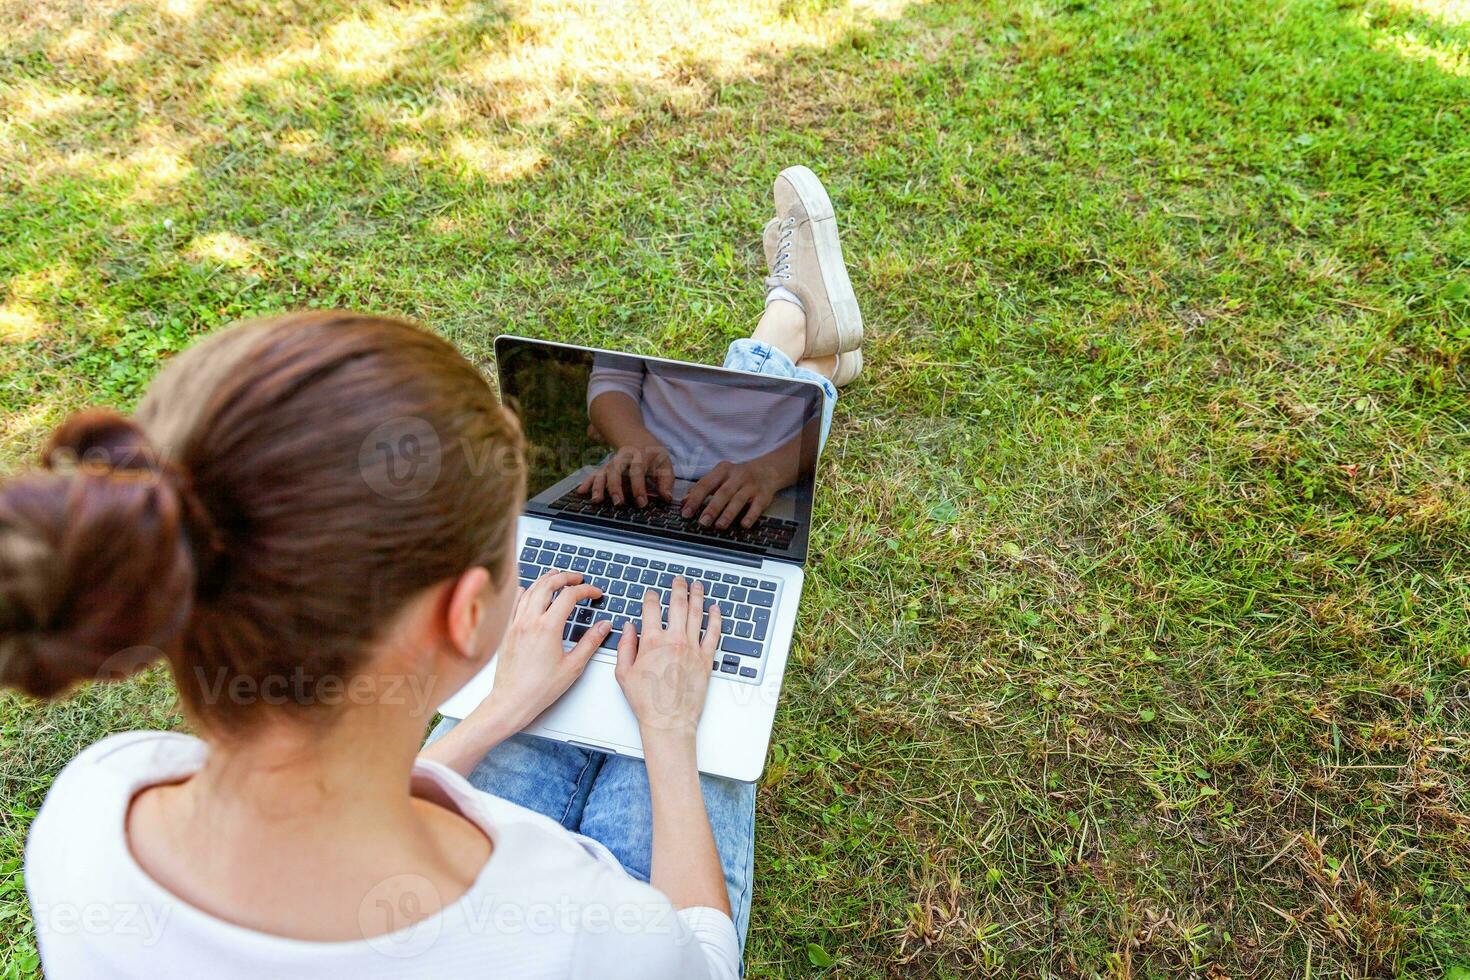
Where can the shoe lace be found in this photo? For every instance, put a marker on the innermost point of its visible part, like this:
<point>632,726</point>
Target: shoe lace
<point>781,263</point>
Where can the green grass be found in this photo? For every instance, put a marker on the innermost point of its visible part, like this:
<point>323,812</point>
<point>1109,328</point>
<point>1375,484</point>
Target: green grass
<point>1137,632</point>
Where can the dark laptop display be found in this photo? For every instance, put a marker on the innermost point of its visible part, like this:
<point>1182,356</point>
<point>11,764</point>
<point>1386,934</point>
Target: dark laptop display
<point>665,450</point>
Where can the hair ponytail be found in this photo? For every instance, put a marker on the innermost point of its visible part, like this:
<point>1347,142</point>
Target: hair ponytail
<point>96,567</point>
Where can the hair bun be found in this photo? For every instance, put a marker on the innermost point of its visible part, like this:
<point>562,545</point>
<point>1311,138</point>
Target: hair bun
<point>98,438</point>
<point>96,574</point>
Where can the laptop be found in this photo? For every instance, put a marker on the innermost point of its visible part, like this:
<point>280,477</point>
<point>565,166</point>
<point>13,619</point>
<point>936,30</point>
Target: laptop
<point>575,404</point>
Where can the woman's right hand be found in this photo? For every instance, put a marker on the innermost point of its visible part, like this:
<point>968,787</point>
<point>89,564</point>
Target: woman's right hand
<point>664,670</point>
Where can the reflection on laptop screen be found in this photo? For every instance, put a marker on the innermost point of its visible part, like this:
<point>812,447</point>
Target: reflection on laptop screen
<point>680,451</point>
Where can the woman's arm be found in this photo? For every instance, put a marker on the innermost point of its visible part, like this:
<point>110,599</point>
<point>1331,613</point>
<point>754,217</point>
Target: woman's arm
<point>686,864</point>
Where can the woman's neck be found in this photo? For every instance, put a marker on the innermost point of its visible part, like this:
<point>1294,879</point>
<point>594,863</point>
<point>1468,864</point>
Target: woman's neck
<point>359,763</point>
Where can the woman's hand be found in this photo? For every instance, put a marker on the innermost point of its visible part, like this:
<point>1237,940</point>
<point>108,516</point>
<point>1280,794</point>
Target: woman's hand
<point>730,488</point>
<point>664,670</point>
<point>644,468</point>
<point>531,669</point>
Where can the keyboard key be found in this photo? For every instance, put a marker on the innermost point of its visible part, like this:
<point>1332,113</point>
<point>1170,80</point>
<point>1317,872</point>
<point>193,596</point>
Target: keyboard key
<point>746,648</point>
<point>622,558</point>
<point>585,552</point>
<point>641,562</point>
<point>737,594</point>
<point>610,642</point>
<point>665,580</point>
<point>748,583</point>
<point>742,629</point>
<point>649,577</point>
<point>727,609</point>
<point>630,575</point>
<point>604,555</point>
<point>747,671</point>
<point>762,598</point>
<point>761,621</point>
<point>579,564</point>
<point>711,576</point>
<point>726,626</point>
<point>528,553</point>
<point>693,573</point>
<point>577,631</point>
<point>730,658</point>
<point>731,579</point>
<point>744,612</point>
<point>570,549</point>
<point>620,587</point>
<point>597,567</point>
<point>769,586</point>
<point>563,560</point>
<point>534,542</point>
<point>529,571</point>
<point>729,669</point>
<point>719,590</point>
<point>546,557</point>
<point>676,569</point>
<point>660,566</point>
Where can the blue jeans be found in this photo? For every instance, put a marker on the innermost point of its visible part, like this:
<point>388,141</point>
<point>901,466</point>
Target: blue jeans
<point>606,798</point>
<point>758,358</point>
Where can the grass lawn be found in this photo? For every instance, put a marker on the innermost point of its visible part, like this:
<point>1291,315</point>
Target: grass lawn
<point>1137,633</point>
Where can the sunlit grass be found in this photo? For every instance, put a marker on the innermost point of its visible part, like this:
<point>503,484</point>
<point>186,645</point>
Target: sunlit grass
<point>1134,642</point>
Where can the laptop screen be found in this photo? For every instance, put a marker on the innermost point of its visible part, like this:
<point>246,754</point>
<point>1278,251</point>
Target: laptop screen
<point>676,451</point>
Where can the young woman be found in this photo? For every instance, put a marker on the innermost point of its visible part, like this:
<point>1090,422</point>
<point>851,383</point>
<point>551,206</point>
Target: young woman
<point>312,623</point>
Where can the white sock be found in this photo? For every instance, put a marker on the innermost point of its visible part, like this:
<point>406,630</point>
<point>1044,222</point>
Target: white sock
<point>781,292</point>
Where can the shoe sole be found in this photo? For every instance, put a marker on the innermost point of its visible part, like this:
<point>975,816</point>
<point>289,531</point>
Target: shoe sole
<point>818,206</point>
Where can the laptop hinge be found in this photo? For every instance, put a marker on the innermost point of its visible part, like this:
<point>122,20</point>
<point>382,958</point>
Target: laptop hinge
<point>653,541</point>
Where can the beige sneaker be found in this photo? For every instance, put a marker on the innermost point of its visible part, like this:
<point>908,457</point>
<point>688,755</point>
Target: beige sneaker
<point>803,255</point>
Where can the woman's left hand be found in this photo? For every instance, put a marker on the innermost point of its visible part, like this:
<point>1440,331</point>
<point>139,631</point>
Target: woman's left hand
<point>531,669</point>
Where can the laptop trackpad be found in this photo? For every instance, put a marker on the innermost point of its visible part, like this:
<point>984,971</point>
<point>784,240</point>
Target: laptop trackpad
<point>593,712</point>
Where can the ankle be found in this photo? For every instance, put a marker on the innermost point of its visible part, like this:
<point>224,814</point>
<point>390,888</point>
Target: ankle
<point>783,326</point>
<point>825,366</point>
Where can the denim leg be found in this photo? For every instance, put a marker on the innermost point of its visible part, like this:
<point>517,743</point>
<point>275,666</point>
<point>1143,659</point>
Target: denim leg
<point>755,357</point>
<point>619,814</point>
<point>549,777</point>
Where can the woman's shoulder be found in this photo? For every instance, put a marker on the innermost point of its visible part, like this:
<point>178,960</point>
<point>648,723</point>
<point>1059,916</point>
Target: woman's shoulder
<point>128,757</point>
<point>103,777</point>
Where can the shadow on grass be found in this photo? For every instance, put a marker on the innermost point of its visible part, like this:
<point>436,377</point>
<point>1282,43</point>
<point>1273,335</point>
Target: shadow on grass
<point>1107,662</point>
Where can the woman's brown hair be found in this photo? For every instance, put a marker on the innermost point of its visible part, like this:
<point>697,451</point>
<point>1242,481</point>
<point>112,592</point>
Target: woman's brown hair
<point>283,489</point>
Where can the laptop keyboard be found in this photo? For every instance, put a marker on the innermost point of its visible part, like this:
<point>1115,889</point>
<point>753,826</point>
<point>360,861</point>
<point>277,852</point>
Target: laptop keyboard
<point>664,515</point>
<point>746,601</point>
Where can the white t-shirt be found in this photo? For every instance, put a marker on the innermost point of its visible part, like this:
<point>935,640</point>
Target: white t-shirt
<point>548,903</point>
<point>699,422</point>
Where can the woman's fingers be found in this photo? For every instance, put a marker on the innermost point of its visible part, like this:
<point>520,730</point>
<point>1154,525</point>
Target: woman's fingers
<point>614,469</point>
<point>734,506</point>
<point>758,505</point>
<point>561,609</point>
<point>538,596</point>
<point>696,613</point>
<point>599,485</point>
<point>638,478</point>
<point>703,487</point>
<point>627,651</point>
<point>678,605</point>
<point>717,501</point>
<point>664,477</point>
<point>711,641</point>
<point>584,648</point>
<point>652,611</point>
